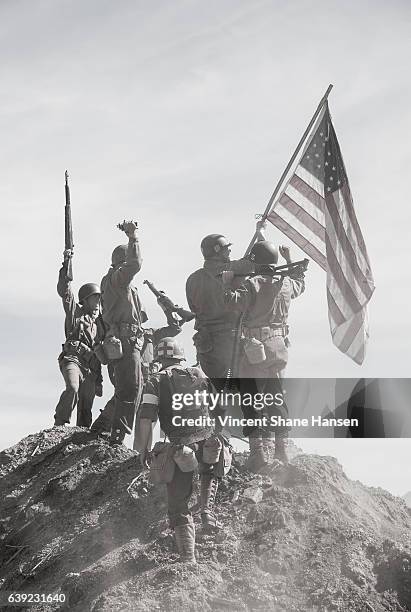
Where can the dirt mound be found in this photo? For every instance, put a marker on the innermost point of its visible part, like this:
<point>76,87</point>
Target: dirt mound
<point>78,517</point>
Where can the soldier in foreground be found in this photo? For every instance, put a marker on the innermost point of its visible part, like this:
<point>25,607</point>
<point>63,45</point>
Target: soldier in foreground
<point>264,299</point>
<point>188,443</point>
<point>84,329</point>
<point>123,316</point>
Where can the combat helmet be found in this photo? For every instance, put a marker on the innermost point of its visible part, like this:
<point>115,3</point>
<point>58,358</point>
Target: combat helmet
<point>211,244</point>
<point>119,254</point>
<point>169,348</point>
<point>264,253</point>
<point>86,290</point>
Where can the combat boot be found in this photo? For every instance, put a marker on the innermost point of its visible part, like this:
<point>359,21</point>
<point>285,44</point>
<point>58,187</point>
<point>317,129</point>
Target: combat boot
<point>117,437</point>
<point>257,458</point>
<point>185,541</point>
<point>280,447</point>
<point>102,424</point>
<point>208,491</point>
<point>269,448</point>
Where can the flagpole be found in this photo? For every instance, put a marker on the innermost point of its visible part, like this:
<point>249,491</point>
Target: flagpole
<point>290,163</point>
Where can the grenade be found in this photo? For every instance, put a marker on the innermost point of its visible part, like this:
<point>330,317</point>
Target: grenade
<point>211,450</point>
<point>185,459</point>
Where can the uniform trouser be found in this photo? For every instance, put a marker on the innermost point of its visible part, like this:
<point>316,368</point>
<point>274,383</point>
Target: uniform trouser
<point>217,361</point>
<point>128,387</point>
<point>80,390</point>
<point>262,378</point>
<point>179,490</point>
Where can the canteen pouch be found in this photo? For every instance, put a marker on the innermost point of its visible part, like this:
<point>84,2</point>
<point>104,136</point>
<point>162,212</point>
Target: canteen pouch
<point>277,350</point>
<point>202,341</point>
<point>112,348</point>
<point>254,351</point>
<point>162,465</point>
<point>186,459</point>
<point>100,354</point>
<point>212,450</point>
<point>226,457</point>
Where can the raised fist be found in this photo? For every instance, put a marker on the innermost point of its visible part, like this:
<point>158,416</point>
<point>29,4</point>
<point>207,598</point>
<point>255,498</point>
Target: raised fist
<point>128,227</point>
<point>285,252</point>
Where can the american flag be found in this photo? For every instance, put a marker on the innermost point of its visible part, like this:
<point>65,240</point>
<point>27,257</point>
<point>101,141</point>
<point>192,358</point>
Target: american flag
<point>316,211</point>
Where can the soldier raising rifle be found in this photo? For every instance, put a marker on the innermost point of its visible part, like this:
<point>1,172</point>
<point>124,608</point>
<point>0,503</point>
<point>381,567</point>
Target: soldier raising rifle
<point>84,330</point>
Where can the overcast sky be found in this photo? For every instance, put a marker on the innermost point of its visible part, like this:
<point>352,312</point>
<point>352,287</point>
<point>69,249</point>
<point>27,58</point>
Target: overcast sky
<point>183,115</point>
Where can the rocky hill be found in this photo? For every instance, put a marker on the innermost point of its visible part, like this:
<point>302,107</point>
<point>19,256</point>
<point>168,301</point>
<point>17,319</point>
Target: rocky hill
<point>79,518</point>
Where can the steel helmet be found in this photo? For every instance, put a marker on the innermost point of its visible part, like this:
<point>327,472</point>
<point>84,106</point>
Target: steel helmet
<point>169,348</point>
<point>211,244</point>
<point>119,254</point>
<point>264,252</point>
<point>86,290</point>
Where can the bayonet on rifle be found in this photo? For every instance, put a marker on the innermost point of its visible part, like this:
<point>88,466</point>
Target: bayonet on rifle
<point>68,229</point>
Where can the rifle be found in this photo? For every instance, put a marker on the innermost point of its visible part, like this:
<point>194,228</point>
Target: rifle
<point>285,270</point>
<point>168,306</point>
<point>68,230</point>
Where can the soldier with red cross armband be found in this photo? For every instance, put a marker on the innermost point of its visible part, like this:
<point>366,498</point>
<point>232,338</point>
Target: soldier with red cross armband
<point>189,429</point>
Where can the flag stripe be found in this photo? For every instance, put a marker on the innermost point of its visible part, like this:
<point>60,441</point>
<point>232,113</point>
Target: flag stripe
<point>354,223</point>
<point>301,228</point>
<point>301,215</point>
<point>308,178</point>
<point>335,312</point>
<point>346,257</point>
<point>336,204</point>
<point>302,242</point>
<point>308,192</point>
<point>336,272</point>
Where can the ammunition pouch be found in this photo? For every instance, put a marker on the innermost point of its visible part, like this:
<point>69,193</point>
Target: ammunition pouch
<point>75,348</point>
<point>203,341</point>
<point>274,341</point>
<point>133,333</point>
<point>112,348</point>
<point>162,464</point>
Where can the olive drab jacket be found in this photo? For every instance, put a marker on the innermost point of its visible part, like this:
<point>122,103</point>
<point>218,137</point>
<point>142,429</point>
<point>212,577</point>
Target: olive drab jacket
<point>79,326</point>
<point>120,300</point>
<point>205,295</point>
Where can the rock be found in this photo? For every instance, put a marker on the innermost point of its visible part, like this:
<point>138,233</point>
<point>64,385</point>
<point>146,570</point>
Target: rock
<point>254,494</point>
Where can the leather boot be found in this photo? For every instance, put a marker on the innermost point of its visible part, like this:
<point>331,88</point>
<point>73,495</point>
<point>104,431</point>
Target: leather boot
<point>122,422</point>
<point>257,458</point>
<point>185,540</point>
<point>101,425</point>
<point>208,491</point>
<point>280,447</point>
<point>269,448</point>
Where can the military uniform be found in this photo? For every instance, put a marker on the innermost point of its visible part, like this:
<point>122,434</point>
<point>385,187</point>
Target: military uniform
<point>215,324</point>
<point>264,301</point>
<point>152,337</point>
<point>123,316</point>
<point>79,366</point>
<point>157,404</point>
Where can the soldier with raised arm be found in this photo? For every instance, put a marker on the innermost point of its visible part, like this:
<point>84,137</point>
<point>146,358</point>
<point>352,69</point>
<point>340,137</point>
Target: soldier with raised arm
<point>123,316</point>
<point>79,365</point>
